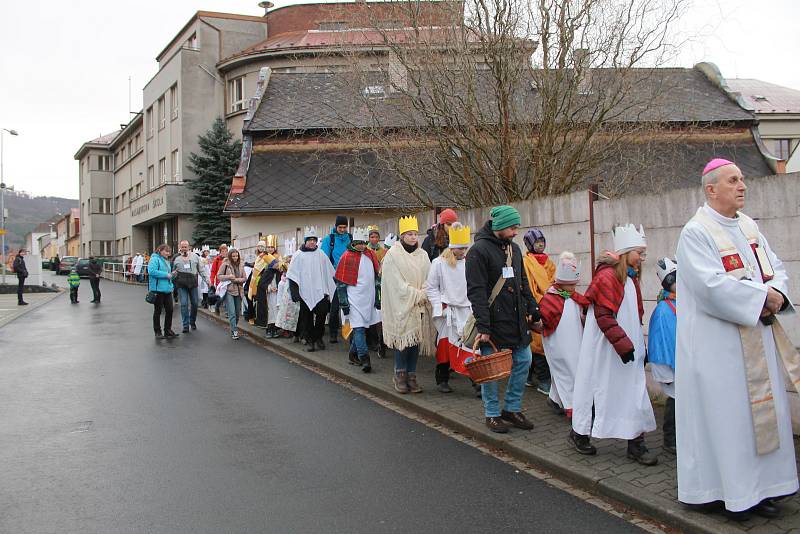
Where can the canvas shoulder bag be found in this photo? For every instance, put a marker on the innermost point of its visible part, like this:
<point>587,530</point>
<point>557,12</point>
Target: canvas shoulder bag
<point>470,328</point>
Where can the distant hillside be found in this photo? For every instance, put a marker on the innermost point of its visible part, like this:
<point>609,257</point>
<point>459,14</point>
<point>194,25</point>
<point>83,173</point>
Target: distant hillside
<point>25,212</point>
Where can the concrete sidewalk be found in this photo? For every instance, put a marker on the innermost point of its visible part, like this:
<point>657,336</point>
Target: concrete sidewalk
<point>10,311</point>
<point>648,490</point>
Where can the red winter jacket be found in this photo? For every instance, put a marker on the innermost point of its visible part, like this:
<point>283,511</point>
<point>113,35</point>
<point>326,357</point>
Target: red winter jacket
<point>606,293</point>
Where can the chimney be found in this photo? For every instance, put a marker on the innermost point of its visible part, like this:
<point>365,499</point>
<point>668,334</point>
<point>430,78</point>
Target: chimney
<point>780,166</point>
<point>583,70</point>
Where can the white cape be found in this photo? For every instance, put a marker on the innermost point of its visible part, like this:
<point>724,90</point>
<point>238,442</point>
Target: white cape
<point>313,273</point>
<point>361,296</point>
<point>617,390</point>
<point>562,349</point>
<point>716,444</point>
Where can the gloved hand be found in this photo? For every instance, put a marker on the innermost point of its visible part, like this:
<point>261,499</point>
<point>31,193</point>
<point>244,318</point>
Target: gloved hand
<point>627,357</point>
<point>346,310</point>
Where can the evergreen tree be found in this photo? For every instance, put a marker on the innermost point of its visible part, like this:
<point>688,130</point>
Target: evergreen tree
<point>214,167</point>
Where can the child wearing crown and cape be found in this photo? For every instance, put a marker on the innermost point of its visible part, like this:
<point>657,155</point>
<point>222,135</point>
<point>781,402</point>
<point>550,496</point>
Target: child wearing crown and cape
<point>611,399</point>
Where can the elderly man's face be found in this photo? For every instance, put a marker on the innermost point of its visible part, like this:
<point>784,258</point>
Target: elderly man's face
<point>728,193</point>
<point>184,247</point>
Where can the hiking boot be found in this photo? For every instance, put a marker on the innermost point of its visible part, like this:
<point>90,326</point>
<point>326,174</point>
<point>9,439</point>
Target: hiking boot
<point>496,424</point>
<point>543,387</point>
<point>401,381</point>
<point>581,443</point>
<point>366,365</point>
<point>444,387</point>
<point>638,451</point>
<point>558,410</point>
<point>517,420</point>
<point>413,386</point>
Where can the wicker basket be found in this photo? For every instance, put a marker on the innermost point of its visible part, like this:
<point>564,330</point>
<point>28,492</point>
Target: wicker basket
<point>489,368</point>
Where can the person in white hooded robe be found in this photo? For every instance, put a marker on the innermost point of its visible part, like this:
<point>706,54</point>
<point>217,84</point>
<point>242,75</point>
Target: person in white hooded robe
<point>734,432</point>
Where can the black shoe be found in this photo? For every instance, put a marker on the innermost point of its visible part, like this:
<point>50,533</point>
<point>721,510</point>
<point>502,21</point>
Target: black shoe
<point>185,329</point>
<point>22,303</point>
<point>444,387</point>
<point>194,326</point>
<point>366,366</point>
<point>517,420</point>
<point>320,344</point>
<point>767,508</point>
<point>558,410</point>
<point>495,424</point>
<point>739,517</point>
<point>159,335</point>
<point>581,443</point>
<point>352,358</point>
<point>638,451</point>
<point>170,333</point>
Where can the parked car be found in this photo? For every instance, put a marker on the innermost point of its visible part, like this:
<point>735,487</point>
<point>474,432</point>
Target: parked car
<point>67,263</point>
<point>82,267</point>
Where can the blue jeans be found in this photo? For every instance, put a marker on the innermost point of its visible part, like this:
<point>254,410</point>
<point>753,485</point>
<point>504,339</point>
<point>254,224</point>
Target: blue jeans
<point>233,303</point>
<point>360,342</point>
<point>406,359</point>
<point>521,362</point>
<point>186,295</point>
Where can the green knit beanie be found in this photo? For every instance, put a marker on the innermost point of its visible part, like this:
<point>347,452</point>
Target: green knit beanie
<point>504,217</point>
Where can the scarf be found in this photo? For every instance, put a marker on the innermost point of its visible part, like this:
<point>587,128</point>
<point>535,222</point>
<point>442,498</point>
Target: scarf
<point>312,271</point>
<point>347,271</point>
<point>541,258</point>
<point>405,309</point>
<point>552,307</point>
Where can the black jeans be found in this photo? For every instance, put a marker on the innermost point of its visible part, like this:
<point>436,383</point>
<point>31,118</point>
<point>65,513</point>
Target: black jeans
<point>261,305</point>
<point>311,323</point>
<point>163,302</point>
<point>95,282</point>
<point>669,422</point>
<point>20,287</point>
<point>73,294</point>
<point>333,319</point>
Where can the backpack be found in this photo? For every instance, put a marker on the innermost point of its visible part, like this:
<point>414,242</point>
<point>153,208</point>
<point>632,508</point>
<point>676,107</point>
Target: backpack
<point>331,244</point>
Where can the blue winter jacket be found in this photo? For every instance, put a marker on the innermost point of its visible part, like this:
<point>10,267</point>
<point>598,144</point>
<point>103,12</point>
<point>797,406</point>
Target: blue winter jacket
<point>340,242</point>
<point>159,274</point>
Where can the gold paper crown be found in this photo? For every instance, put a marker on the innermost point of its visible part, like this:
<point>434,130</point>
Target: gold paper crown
<point>459,235</point>
<point>407,224</point>
<point>272,240</point>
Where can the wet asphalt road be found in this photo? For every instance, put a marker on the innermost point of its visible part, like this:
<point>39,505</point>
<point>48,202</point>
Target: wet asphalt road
<point>103,429</point>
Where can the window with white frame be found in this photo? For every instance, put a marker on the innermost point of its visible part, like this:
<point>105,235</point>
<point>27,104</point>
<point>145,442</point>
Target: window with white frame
<point>151,178</point>
<point>105,248</point>
<point>102,205</point>
<point>176,167</point>
<point>162,112</point>
<point>139,188</point>
<point>103,163</point>
<point>137,142</point>
<point>236,94</point>
<point>149,122</point>
<point>162,171</point>
<point>173,99</point>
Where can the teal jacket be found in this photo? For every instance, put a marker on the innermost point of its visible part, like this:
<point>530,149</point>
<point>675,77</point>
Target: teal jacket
<point>73,279</point>
<point>159,274</point>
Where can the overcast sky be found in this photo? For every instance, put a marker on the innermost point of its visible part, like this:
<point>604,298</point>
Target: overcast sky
<point>64,67</point>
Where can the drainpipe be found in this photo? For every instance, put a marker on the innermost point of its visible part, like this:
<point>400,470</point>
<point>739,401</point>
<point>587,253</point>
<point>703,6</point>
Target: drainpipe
<point>593,194</point>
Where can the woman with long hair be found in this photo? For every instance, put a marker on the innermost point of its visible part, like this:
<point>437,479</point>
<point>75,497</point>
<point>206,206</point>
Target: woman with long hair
<point>610,397</point>
<point>160,282</point>
<point>232,272</point>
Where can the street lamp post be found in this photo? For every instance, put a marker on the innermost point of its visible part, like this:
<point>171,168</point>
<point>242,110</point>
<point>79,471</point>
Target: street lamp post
<point>3,203</point>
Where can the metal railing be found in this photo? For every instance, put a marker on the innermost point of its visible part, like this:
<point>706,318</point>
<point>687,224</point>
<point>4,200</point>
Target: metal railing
<point>116,272</point>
